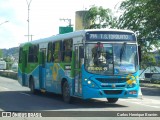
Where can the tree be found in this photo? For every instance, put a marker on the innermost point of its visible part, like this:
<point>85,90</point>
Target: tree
<point>9,62</point>
<point>1,54</point>
<point>149,60</point>
<point>100,18</point>
<point>142,16</point>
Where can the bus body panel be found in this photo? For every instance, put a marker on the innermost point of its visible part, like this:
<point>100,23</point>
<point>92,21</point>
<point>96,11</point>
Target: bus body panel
<point>54,76</point>
<point>35,75</point>
<point>19,76</point>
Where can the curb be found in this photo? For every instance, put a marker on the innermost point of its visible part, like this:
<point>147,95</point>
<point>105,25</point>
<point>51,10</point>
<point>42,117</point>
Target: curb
<point>8,74</point>
<point>150,85</point>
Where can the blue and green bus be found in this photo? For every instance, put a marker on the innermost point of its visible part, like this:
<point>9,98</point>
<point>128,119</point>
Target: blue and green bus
<point>98,63</point>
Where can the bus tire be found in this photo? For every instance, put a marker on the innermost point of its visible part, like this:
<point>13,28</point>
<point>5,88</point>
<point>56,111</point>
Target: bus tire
<point>112,100</point>
<point>66,92</point>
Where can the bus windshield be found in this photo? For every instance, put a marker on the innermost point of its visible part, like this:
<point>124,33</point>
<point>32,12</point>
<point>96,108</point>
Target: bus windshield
<point>106,59</point>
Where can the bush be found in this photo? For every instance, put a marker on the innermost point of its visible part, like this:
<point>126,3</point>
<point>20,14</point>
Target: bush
<point>155,81</point>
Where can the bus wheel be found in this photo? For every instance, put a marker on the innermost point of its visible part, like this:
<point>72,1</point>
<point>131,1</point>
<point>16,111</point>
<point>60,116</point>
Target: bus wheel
<point>112,100</point>
<point>66,92</point>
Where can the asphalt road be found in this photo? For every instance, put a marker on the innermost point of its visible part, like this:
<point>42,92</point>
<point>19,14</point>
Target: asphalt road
<point>14,97</point>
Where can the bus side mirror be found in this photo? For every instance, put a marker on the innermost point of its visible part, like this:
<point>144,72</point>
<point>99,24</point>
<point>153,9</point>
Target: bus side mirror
<point>139,53</point>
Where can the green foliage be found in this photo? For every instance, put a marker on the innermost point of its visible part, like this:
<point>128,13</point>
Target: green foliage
<point>8,59</point>
<point>156,81</point>
<point>142,16</point>
<point>148,60</point>
<point>1,54</point>
<point>100,18</point>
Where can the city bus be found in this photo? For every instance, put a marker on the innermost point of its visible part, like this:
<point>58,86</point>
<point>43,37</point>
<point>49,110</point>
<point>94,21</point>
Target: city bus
<point>95,63</point>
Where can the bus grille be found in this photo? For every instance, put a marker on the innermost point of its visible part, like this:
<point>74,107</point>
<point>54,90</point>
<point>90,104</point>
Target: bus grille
<point>117,86</point>
<point>111,92</point>
<point>112,80</point>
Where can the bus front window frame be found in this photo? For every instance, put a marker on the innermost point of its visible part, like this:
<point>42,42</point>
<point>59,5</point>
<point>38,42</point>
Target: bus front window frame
<point>128,64</point>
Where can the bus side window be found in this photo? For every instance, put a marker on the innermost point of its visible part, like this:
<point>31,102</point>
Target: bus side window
<point>81,55</point>
<point>53,49</point>
<point>57,52</point>
<point>30,54</point>
<point>33,54</point>
<point>81,52</point>
<point>20,54</point>
<point>36,49</point>
<point>67,50</point>
<point>50,52</point>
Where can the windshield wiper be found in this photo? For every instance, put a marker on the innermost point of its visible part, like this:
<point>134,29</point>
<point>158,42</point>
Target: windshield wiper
<point>122,51</point>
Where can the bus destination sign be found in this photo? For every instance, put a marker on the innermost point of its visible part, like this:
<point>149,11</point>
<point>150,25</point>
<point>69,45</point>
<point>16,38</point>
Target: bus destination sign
<point>113,36</point>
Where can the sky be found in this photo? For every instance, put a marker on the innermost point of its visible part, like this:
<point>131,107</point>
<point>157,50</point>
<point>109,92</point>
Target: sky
<point>44,17</point>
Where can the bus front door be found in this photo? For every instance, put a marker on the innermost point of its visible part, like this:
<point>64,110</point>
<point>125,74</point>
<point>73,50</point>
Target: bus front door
<point>42,70</point>
<point>79,58</point>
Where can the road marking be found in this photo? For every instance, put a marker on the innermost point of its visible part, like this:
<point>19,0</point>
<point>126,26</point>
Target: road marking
<point>145,102</point>
<point>25,94</point>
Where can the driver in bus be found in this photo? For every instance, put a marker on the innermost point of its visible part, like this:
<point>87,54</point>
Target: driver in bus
<point>102,58</point>
<point>98,57</point>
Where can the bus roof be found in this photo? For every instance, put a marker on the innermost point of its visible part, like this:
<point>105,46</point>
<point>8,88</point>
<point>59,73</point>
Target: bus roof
<point>71,35</point>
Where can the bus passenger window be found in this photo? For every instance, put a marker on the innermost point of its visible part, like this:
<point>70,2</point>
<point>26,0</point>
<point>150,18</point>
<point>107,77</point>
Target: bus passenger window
<point>30,54</point>
<point>53,49</point>
<point>20,54</point>
<point>50,52</point>
<point>57,52</point>
<point>67,50</point>
<point>81,52</point>
<point>33,54</point>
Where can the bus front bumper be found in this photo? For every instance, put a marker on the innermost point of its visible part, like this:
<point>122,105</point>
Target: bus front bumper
<point>109,93</point>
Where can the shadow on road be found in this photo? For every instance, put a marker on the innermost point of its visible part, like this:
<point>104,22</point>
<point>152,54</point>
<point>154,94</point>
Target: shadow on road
<point>25,101</point>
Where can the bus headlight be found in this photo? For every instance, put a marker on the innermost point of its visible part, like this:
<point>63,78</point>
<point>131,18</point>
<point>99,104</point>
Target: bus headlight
<point>92,84</point>
<point>89,82</point>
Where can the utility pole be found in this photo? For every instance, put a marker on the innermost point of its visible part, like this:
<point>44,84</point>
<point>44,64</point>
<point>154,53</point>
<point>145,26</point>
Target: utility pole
<point>69,21</point>
<point>28,4</point>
